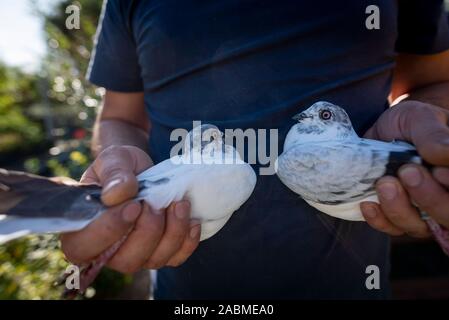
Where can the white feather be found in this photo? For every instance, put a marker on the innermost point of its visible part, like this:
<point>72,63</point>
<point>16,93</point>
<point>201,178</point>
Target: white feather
<point>12,227</point>
<point>215,191</point>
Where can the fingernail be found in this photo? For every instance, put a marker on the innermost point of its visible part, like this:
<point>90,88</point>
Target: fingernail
<point>131,212</point>
<point>181,210</point>
<point>442,174</point>
<point>388,190</point>
<point>411,176</point>
<point>194,222</point>
<point>370,212</point>
<point>111,184</point>
<point>195,231</point>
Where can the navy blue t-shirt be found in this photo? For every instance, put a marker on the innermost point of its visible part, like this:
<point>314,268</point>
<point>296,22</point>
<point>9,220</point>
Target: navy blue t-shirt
<point>254,64</point>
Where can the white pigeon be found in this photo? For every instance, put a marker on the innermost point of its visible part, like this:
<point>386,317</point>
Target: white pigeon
<point>334,170</point>
<point>331,167</point>
<point>210,174</point>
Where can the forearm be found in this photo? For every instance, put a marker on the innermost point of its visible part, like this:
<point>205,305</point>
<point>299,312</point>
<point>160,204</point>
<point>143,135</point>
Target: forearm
<point>422,78</point>
<point>417,80</point>
<point>436,94</point>
<point>396,123</point>
<point>122,120</point>
<point>108,132</point>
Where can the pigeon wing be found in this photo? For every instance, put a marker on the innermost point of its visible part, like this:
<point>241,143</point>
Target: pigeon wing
<point>34,204</point>
<point>338,172</point>
<point>164,183</point>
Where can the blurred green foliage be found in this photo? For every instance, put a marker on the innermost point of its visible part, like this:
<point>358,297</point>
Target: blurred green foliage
<point>18,132</point>
<point>30,267</point>
<point>45,121</point>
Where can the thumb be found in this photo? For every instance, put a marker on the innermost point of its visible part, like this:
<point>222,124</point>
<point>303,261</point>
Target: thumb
<point>122,185</point>
<point>431,139</point>
<point>116,169</point>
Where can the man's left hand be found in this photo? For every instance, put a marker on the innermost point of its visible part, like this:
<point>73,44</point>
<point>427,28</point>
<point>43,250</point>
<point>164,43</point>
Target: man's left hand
<point>426,127</point>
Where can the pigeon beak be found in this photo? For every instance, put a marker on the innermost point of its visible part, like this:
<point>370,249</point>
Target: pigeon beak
<point>301,116</point>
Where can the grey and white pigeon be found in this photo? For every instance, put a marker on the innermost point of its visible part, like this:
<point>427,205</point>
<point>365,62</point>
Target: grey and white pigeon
<point>333,169</point>
<point>210,174</point>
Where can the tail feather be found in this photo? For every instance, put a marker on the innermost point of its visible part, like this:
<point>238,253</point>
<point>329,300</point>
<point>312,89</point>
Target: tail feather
<point>398,159</point>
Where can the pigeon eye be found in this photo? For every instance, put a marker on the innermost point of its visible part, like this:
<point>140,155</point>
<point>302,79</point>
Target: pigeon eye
<point>325,114</point>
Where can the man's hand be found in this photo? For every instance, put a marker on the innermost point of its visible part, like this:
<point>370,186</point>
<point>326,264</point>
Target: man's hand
<point>425,126</point>
<point>157,239</point>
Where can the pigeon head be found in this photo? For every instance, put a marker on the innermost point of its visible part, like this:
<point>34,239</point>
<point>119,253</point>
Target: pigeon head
<point>324,114</point>
<point>204,139</point>
<point>320,122</point>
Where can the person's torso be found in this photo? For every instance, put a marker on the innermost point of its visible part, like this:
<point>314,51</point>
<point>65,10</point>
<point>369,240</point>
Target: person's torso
<point>254,64</point>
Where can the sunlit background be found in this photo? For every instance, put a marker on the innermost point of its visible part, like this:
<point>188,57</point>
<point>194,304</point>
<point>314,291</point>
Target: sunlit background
<point>46,110</point>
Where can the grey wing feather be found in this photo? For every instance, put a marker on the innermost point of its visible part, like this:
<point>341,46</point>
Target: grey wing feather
<point>332,173</point>
<point>34,204</point>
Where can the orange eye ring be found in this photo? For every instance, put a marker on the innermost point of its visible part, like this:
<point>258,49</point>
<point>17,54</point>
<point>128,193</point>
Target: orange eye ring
<point>325,115</point>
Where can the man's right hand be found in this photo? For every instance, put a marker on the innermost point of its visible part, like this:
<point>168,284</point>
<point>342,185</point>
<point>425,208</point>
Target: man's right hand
<point>158,238</point>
